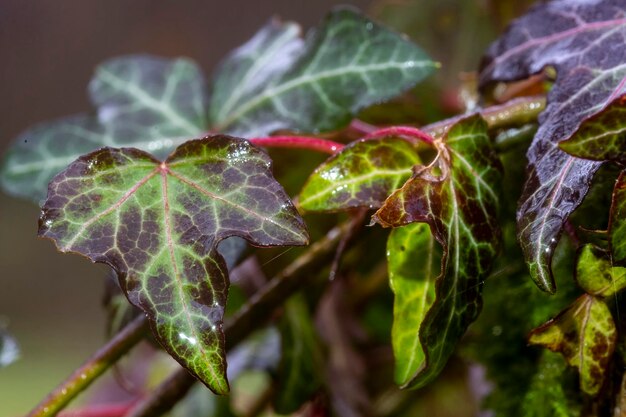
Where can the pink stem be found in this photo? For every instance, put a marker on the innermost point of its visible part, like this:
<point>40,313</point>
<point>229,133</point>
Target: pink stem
<point>406,131</point>
<point>361,127</point>
<point>301,142</point>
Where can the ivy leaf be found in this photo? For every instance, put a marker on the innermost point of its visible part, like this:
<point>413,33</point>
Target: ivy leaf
<point>363,174</point>
<point>457,196</point>
<point>582,41</point>
<point>601,136</point>
<point>585,334</point>
<point>245,72</point>
<point>414,262</point>
<point>158,225</point>
<point>150,103</point>
<point>349,62</point>
<point>596,274</point>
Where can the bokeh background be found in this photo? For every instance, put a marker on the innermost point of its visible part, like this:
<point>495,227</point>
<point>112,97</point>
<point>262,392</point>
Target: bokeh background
<point>48,50</point>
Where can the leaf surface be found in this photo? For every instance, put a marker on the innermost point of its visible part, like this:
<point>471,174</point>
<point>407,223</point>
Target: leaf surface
<point>150,103</point>
<point>582,41</point>
<point>363,174</point>
<point>585,334</point>
<point>457,196</point>
<point>596,274</point>
<point>347,63</point>
<point>414,262</point>
<point>158,225</point>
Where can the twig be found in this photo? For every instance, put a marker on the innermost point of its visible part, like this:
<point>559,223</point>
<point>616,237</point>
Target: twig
<point>301,142</point>
<point>248,318</point>
<point>106,356</point>
<point>516,112</point>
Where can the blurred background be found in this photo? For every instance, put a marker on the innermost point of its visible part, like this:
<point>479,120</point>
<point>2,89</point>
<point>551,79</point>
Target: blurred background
<point>48,50</point>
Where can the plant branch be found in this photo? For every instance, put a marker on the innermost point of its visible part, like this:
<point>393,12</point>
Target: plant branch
<point>515,112</point>
<point>82,377</point>
<point>301,142</point>
<point>403,131</point>
<point>250,317</point>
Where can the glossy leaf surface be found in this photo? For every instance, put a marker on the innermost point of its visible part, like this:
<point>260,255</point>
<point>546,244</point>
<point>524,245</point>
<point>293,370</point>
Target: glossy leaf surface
<point>457,196</point>
<point>149,103</point>
<point>585,334</point>
<point>363,174</point>
<point>601,137</point>
<point>596,274</point>
<point>582,41</point>
<point>347,63</point>
<point>414,262</point>
<point>158,225</point>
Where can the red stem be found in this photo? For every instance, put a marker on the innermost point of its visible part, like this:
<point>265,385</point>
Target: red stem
<point>405,131</point>
<point>301,142</point>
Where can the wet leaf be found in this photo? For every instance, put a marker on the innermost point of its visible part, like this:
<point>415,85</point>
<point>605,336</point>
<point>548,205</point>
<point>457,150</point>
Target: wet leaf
<point>617,222</point>
<point>602,137</point>
<point>363,174</point>
<point>301,367</point>
<point>158,225</point>
<point>414,262</point>
<point>9,350</point>
<point>585,334</point>
<point>582,41</point>
<point>145,102</point>
<point>347,63</point>
<point>596,274</point>
<point>457,196</point>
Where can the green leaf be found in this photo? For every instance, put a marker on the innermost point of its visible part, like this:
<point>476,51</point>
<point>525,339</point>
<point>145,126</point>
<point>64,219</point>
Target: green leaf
<point>145,102</point>
<point>414,262</point>
<point>457,196</point>
<point>301,368</point>
<point>158,225</point>
<point>617,221</point>
<point>596,274</point>
<point>363,174</point>
<point>245,72</point>
<point>548,394</point>
<point>585,334</point>
<point>348,63</point>
<point>601,137</point>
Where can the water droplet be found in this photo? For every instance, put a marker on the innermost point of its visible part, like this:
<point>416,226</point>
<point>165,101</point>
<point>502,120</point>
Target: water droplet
<point>369,26</point>
<point>496,330</point>
<point>192,340</point>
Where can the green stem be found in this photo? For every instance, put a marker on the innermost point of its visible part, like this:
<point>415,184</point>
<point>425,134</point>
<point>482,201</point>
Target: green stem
<point>249,318</point>
<point>106,356</point>
<point>516,112</point>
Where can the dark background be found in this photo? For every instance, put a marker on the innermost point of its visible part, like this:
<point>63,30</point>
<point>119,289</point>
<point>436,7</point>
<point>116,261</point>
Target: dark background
<point>48,51</point>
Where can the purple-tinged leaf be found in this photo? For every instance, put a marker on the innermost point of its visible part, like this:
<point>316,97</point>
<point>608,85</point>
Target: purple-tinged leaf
<point>585,334</point>
<point>457,196</point>
<point>363,174</point>
<point>601,137</point>
<point>158,225</point>
<point>583,41</point>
